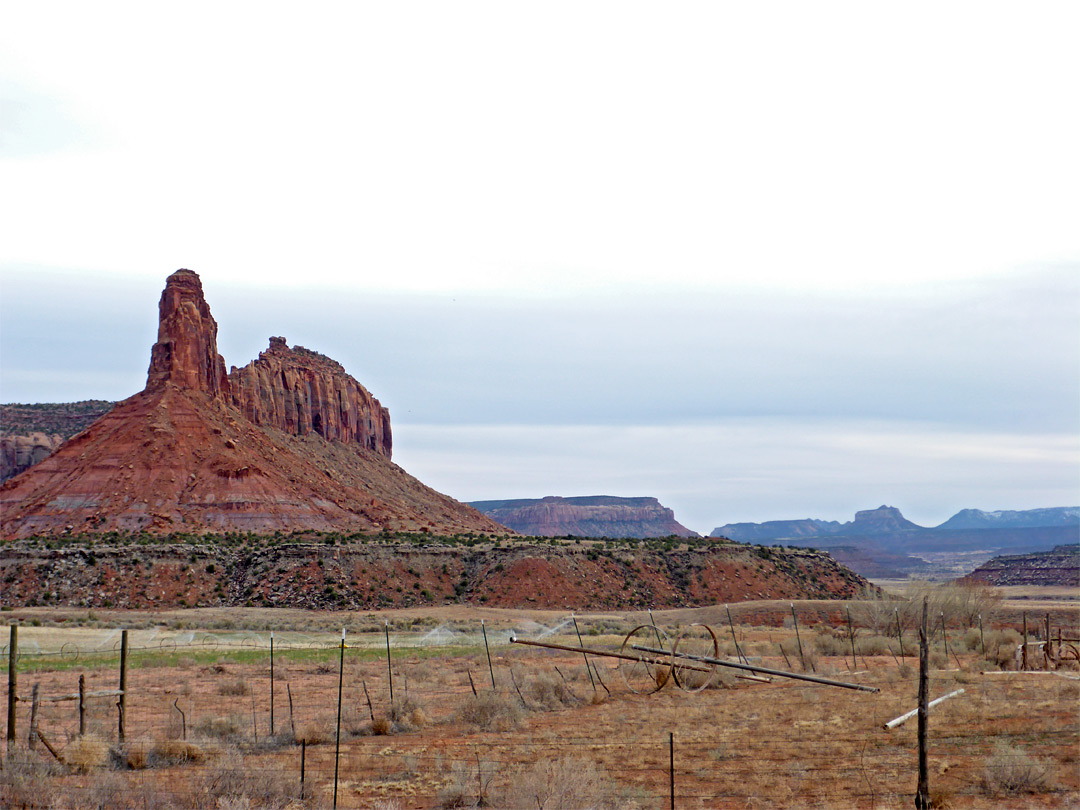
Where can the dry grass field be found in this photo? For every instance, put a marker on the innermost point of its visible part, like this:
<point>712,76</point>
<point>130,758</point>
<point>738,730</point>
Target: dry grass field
<point>545,736</point>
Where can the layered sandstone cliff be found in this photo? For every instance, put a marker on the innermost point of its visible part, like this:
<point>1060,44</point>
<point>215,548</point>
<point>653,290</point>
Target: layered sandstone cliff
<point>304,447</point>
<point>300,392</point>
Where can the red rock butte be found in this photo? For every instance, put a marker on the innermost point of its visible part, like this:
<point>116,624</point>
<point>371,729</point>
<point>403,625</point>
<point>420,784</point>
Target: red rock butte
<point>290,441</point>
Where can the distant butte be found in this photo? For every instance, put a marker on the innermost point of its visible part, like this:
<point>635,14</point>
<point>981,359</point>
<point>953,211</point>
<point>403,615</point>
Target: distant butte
<point>288,442</point>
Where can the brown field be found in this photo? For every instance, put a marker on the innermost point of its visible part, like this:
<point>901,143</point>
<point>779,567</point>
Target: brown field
<point>198,714</point>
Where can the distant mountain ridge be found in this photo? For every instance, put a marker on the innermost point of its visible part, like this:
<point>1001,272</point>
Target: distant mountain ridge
<point>1008,519</point>
<point>585,516</point>
<point>887,519</point>
<point>883,543</point>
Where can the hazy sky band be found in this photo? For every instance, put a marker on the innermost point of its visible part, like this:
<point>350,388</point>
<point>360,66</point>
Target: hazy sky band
<point>607,217</point>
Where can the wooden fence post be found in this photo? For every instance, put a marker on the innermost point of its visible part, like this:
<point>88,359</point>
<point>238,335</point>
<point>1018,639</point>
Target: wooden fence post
<point>31,739</point>
<point>122,700</point>
<point>13,683</point>
<point>271,683</point>
<point>922,793</point>
<point>82,705</point>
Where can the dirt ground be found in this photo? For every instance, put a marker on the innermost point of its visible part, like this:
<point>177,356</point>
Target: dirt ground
<point>534,729</point>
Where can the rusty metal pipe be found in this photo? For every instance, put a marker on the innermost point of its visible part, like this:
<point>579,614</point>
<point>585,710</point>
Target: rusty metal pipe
<point>779,672</point>
<point>664,661</point>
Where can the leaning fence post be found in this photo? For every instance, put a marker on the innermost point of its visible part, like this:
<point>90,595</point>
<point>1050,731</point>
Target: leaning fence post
<point>583,655</point>
<point>122,701</point>
<point>491,669</point>
<point>13,682</point>
<point>982,640</point>
<point>802,657</point>
<point>731,624</point>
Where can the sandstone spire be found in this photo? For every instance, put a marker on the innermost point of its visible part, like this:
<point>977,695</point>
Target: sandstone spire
<point>186,350</point>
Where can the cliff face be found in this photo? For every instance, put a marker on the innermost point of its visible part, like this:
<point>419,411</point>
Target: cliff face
<point>300,392</point>
<point>18,453</point>
<point>597,516</point>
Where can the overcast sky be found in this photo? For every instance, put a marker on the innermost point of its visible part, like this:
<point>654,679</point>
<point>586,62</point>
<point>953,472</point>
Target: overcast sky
<point>761,261</point>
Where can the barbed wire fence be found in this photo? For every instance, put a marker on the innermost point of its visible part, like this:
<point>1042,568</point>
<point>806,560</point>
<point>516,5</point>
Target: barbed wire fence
<point>211,722</point>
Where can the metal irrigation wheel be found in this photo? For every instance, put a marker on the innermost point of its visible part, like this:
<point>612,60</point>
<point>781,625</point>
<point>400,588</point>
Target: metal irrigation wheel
<point>1069,652</point>
<point>700,640</point>
<point>69,652</point>
<point>167,645</point>
<point>642,673</point>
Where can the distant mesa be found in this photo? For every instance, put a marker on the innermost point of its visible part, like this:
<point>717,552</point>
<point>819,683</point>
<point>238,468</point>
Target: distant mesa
<point>289,441</point>
<point>591,516</point>
<point>1058,567</point>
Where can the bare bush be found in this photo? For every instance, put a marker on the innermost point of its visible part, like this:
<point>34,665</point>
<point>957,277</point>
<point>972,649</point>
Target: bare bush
<point>87,753</point>
<point>1012,770</point>
<point>564,784</point>
<point>547,691</point>
<point>234,688</point>
<point>223,728</point>
<point>491,711</point>
<point>22,776</point>
<point>232,782</point>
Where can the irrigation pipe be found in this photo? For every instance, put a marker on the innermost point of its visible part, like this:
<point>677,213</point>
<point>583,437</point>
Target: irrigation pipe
<point>778,672</point>
<point>905,717</point>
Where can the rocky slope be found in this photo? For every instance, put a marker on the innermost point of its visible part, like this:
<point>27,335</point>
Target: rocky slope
<point>108,573</point>
<point>1061,566</point>
<point>180,456</point>
<point>594,516</point>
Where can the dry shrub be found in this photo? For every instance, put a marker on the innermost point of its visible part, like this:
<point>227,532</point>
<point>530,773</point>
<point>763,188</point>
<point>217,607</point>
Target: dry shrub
<point>829,642</point>
<point>407,715</point>
<point>87,753</point>
<point>233,783</point>
<point>548,691</point>
<point>491,711</point>
<point>1012,770</point>
<point>871,645</point>
<point>221,728</point>
<point>237,687</point>
<point>177,752</point>
<point>22,777</point>
<point>564,784</point>
<point>1001,647</point>
<point>320,730</point>
<point>136,754</point>
<point>381,725</point>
